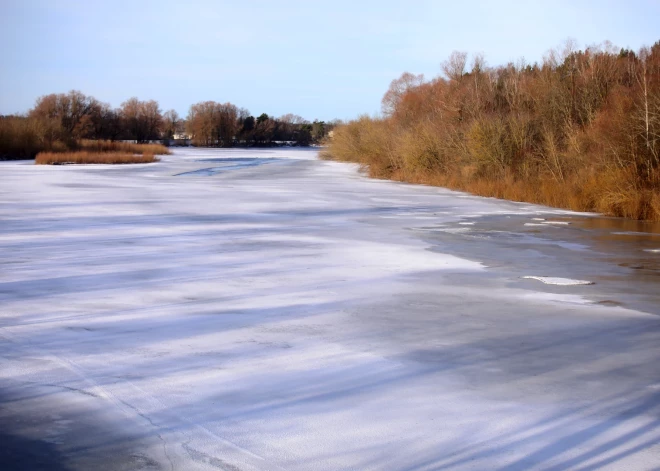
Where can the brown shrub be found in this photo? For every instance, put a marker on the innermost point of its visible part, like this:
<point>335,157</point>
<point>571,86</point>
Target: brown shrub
<point>368,142</point>
<point>59,158</point>
<point>23,138</point>
<point>588,140</point>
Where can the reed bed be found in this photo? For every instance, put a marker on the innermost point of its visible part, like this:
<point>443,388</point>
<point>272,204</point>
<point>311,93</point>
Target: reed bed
<point>83,157</point>
<point>122,147</point>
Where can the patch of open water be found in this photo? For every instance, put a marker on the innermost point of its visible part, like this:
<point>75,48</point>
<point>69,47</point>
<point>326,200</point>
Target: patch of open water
<point>226,165</point>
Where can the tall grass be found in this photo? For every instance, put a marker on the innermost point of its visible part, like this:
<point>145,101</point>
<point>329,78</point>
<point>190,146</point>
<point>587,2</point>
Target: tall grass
<point>83,157</point>
<point>89,145</point>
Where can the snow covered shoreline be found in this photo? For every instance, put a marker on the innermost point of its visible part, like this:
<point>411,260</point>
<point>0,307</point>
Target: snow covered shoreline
<point>297,315</point>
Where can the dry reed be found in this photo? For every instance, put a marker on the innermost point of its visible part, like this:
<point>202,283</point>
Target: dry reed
<point>63,158</point>
<point>124,147</point>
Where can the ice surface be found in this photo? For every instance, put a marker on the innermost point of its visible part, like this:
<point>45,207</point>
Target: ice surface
<point>550,280</point>
<point>634,233</point>
<point>287,316</point>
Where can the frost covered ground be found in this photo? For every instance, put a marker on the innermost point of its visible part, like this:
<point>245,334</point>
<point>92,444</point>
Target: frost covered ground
<point>216,312</point>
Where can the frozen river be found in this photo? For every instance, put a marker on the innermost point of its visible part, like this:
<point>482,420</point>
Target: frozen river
<point>263,310</point>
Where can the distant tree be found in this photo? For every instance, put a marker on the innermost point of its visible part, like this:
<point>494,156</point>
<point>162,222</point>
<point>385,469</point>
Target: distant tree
<point>454,67</point>
<point>243,113</point>
<point>248,123</point>
<point>304,136</point>
<point>142,120</point>
<point>130,119</point>
<point>72,112</point>
<point>318,131</point>
<point>288,127</point>
<point>106,122</point>
<point>171,124</point>
<point>478,64</point>
<point>647,117</point>
<point>228,125</point>
<point>264,129</point>
<point>153,119</point>
<point>398,89</point>
<point>213,124</point>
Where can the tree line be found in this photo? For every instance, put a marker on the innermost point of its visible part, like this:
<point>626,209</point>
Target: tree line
<point>579,130</point>
<point>59,121</point>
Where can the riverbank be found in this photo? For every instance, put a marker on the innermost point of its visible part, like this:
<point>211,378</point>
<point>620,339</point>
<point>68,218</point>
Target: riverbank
<point>579,130</point>
<point>414,156</point>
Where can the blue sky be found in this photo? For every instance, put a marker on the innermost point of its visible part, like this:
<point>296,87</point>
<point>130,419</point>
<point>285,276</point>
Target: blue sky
<point>320,60</point>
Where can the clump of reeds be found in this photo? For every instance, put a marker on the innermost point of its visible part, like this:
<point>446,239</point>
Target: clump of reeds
<point>83,157</point>
<point>126,147</point>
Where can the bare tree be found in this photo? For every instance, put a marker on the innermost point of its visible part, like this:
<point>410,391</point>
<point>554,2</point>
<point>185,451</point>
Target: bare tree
<point>478,64</point>
<point>649,116</point>
<point>227,123</point>
<point>171,123</point>
<point>454,67</point>
<point>142,120</point>
<point>73,111</point>
<point>106,122</point>
<point>214,124</point>
<point>153,119</point>
<point>398,88</point>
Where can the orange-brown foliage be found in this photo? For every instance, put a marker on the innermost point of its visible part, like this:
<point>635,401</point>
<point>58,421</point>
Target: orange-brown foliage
<point>126,147</point>
<point>580,131</point>
<point>60,158</point>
